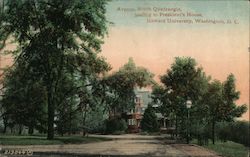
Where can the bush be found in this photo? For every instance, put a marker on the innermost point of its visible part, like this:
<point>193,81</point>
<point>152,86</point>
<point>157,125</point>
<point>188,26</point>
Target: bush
<point>149,121</point>
<point>223,131</point>
<point>235,131</point>
<point>95,120</point>
<point>116,126</point>
<point>203,135</point>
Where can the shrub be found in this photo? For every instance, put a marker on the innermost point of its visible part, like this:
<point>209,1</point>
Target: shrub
<point>235,131</point>
<point>149,121</point>
<point>223,131</point>
<point>116,125</point>
<point>95,120</point>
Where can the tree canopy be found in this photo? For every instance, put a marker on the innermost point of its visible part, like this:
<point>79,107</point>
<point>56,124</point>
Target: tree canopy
<point>121,85</point>
<point>52,36</point>
<point>211,101</point>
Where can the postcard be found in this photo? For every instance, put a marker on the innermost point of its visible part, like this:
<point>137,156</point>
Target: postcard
<point>124,78</point>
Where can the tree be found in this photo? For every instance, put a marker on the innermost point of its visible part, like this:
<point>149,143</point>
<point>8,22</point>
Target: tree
<point>149,121</point>
<point>116,126</point>
<point>23,99</point>
<point>95,120</point>
<point>184,81</point>
<point>230,95</point>
<point>121,84</point>
<point>67,109</point>
<point>220,100</point>
<point>49,33</point>
<point>214,99</point>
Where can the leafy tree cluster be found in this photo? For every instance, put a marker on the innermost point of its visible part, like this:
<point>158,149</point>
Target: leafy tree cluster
<point>116,126</point>
<point>96,119</point>
<point>23,101</point>
<point>58,76</point>
<point>212,101</point>
<point>58,42</point>
<point>120,93</point>
<point>234,131</point>
<point>121,84</point>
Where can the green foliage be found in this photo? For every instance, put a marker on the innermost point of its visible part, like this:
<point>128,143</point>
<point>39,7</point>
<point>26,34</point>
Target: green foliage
<point>95,120</point>
<point>230,95</point>
<point>23,100</point>
<point>201,132</point>
<point>68,117</point>
<point>56,38</point>
<point>183,81</point>
<point>234,131</point>
<point>223,131</point>
<point>220,103</point>
<point>220,99</point>
<point>212,102</point>
<point>115,125</point>
<point>121,85</point>
<point>159,95</point>
<point>149,121</point>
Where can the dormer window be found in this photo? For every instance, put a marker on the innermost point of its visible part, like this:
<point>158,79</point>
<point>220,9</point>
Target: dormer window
<point>137,99</point>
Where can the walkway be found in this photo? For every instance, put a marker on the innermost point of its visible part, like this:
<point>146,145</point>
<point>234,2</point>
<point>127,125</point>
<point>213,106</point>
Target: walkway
<point>125,145</point>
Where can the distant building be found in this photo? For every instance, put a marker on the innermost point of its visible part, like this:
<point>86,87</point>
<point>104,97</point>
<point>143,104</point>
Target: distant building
<point>134,116</point>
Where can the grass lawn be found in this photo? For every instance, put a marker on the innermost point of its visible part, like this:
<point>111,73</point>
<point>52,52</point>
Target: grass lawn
<point>41,140</point>
<point>228,149</point>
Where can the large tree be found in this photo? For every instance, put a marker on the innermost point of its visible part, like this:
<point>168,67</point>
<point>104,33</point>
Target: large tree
<point>214,101</point>
<point>220,102</point>
<point>49,33</point>
<point>120,86</point>
<point>23,99</point>
<point>230,96</point>
<point>183,81</point>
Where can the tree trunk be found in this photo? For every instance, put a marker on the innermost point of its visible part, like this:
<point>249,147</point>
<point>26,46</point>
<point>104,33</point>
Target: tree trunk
<point>5,126</point>
<point>11,129</point>
<point>20,129</point>
<point>31,130</point>
<point>51,115</point>
<point>70,119</point>
<point>84,121</point>
<point>213,132</point>
<point>176,126</point>
<point>187,127</point>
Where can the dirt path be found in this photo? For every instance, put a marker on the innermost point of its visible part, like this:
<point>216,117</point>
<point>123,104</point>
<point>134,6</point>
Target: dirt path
<point>131,145</point>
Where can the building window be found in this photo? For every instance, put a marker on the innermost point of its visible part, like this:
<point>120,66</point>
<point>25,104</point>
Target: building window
<point>131,122</point>
<point>138,110</point>
<point>142,110</point>
<point>137,99</point>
